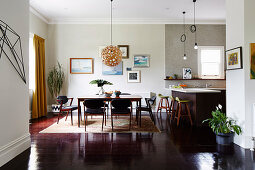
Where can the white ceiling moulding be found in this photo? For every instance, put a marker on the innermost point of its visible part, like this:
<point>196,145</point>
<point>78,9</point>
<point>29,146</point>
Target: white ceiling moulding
<point>32,10</point>
<point>129,21</point>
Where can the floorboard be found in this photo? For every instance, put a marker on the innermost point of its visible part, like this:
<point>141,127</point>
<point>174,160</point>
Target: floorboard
<point>177,148</point>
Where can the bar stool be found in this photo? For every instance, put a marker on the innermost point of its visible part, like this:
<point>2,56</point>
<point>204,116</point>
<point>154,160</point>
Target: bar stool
<point>179,111</point>
<point>171,108</point>
<point>161,102</point>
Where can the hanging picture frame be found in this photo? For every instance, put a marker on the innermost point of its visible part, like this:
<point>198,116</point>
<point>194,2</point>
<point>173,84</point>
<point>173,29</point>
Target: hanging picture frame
<point>234,59</point>
<point>252,53</point>
<point>125,51</point>
<point>134,76</point>
<point>81,66</point>
<point>187,73</point>
<point>116,70</point>
<point>141,61</point>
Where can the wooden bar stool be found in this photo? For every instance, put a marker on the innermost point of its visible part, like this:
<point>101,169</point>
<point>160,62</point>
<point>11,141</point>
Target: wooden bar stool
<point>172,111</point>
<point>163,99</point>
<point>179,111</point>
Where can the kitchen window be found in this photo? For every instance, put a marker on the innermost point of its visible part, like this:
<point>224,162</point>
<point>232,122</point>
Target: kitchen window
<point>211,62</point>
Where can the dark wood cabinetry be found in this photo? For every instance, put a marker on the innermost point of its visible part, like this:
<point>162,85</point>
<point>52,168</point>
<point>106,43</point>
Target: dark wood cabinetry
<point>202,104</point>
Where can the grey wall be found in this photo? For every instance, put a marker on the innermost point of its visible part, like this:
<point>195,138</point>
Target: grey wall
<point>207,35</point>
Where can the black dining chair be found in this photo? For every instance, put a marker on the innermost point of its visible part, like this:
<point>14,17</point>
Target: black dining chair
<point>147,108</point>
<point>121,107</point>
<point>62,100</point>
<point>94,107</point>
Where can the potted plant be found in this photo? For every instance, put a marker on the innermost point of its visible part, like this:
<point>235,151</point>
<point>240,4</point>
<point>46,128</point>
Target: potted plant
<point>55,83</point>
<point>100,83</point>
<point>223,126</point>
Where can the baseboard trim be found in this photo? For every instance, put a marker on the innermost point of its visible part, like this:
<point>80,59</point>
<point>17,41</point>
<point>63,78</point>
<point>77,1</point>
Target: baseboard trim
<point>14,148</point>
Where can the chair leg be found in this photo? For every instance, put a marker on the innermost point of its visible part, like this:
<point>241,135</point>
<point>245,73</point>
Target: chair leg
<point>179,114</point>
<point>172,109</point>
<point>137,114</point>
<point>103,123</point>
<point>67,115</point>
<point>72,117</point>
<point>189,114</point>
<point>167,106</point>
<point>130,121</point>
<point>105,118</point>
<point>159,105</point>
<point>58,116</point>
<point>112,122</point>
<point>85,121</point>
<point>151,115</point>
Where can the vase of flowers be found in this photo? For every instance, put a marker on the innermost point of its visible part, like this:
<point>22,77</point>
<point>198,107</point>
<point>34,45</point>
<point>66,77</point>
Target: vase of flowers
<point>100,83</point>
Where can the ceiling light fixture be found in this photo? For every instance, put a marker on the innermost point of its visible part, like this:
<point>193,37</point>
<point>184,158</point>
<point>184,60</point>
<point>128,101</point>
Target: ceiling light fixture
<point>193,28</point>
<point>184,37</point>
<point>111,55</point>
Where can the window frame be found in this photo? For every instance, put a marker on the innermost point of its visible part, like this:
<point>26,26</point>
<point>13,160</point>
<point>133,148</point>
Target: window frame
<point>222,62</point>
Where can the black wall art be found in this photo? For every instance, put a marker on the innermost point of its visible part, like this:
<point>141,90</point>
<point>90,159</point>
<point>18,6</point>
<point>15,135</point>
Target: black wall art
<point>10,46</point>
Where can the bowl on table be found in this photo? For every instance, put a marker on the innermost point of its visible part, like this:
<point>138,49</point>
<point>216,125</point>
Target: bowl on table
<point>107,94</point>
<point>117,93</point>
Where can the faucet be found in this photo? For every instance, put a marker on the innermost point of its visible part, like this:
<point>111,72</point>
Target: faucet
<point>208,85</point>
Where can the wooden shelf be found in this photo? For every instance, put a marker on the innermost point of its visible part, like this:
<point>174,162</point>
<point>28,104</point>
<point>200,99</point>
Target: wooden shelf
<point>192,79</point>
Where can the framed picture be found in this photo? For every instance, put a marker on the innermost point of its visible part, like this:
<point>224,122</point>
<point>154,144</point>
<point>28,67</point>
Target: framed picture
<point>252,74</point>
<point>125,51</point>
<point>117,70</point>
<point>234,59</point>
<point>187,73</point>
<point>141,61</point>
<point>134,76</point>
<point>81,66</point>
<point>100,49</point>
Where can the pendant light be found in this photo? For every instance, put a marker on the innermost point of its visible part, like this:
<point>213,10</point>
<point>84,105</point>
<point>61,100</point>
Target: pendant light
<point>111,55</point>
<point>184,37</point>
<point>193,27</point>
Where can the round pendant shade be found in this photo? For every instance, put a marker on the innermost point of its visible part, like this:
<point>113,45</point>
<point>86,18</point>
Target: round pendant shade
<point>111,56</point>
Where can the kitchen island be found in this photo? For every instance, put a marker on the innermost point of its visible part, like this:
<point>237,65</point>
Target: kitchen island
<point>202,101</point>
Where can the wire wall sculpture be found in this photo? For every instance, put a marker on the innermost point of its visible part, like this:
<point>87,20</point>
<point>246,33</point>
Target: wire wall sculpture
<point>10,46</point>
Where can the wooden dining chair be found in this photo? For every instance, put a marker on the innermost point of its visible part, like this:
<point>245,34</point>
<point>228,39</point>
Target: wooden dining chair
<point>121,107</point>
<point>62,100</point>
<point>94,107</point>
<point>147,108</point>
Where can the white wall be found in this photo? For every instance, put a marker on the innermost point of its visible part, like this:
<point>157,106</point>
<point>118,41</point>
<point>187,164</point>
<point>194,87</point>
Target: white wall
<point>14,130</point>
<point>78,41</point>
<point>37,26</point>
<point>240,89</point>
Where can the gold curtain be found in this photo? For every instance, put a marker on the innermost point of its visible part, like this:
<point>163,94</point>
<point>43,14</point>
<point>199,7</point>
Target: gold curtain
<point>39,97</point>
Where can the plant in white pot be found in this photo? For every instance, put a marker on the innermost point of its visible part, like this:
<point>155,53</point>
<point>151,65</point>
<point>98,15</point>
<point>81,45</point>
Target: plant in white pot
<point>55,83</point>
<point>100,83</point>
<point>223,126</point>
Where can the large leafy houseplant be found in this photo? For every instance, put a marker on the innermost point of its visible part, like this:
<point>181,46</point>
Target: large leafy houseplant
<point>55,80</point>
<point>223,126</point>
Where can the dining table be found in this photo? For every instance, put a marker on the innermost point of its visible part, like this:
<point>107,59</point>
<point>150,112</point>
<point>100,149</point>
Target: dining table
<point>132,98</point>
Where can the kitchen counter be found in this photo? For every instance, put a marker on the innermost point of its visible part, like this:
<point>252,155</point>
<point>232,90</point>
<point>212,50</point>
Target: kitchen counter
<point>202,101</point>
<point>197,90</point>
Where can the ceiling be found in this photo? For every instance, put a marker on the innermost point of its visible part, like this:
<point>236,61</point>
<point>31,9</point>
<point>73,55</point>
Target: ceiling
<point>128,11</point>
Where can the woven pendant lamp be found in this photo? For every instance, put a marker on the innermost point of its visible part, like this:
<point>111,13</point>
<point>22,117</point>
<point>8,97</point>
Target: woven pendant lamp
<point>111,55</point>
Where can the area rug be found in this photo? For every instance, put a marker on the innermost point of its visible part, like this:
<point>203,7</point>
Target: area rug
<point>94,125</point>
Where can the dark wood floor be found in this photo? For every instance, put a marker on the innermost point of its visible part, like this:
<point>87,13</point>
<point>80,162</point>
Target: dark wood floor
<point>174,148</point>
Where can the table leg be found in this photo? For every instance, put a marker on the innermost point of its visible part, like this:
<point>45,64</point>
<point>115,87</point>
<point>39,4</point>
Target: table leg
<point>79,112</point>
<point>140,112</point>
